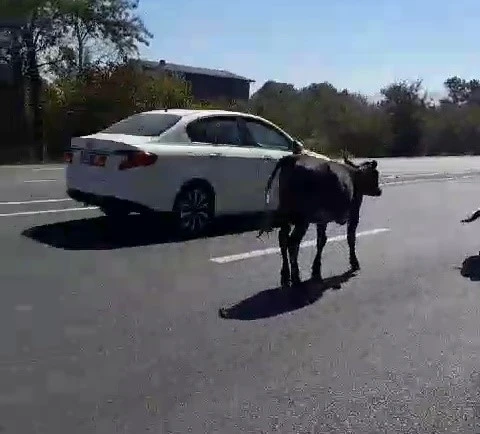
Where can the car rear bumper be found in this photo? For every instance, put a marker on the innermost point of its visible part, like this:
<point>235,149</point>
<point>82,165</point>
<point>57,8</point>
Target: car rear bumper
<point>92,199</point>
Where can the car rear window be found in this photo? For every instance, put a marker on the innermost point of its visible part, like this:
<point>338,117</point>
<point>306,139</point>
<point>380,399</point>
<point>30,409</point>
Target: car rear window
<point>144,124</point>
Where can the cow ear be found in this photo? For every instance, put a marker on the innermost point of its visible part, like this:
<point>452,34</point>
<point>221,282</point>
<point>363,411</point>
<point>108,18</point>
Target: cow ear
<point>374,164</point>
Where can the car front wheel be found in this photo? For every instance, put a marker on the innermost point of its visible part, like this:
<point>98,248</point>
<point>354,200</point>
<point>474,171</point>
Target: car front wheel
<point>194,209</point>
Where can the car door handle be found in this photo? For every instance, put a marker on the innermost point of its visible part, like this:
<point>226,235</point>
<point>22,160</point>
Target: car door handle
<point>215,154</point>
<point>267,157</point>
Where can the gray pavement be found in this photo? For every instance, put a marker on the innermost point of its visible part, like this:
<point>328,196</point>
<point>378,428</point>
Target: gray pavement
<point>108,330</point>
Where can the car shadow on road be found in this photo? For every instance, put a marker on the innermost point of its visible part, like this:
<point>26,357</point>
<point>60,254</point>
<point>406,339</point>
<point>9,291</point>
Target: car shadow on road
<point>277,301</point>
<point>471,268</point>
<point>103,233</point>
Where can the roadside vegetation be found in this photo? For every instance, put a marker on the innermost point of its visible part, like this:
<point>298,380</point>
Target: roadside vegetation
<point>73,77</point>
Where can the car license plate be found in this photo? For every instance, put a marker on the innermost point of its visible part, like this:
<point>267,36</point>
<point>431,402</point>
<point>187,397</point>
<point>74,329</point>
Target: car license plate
<point>87,157</point>
<point>93,159</point>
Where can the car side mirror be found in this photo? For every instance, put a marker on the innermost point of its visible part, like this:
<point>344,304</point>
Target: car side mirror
<point>297,147</point>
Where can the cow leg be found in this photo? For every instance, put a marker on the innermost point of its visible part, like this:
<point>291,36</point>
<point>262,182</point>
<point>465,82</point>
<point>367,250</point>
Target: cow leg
<point>351,239</point>
<point>293,247</point>
<point>283,243</point>
<point>317,261</point>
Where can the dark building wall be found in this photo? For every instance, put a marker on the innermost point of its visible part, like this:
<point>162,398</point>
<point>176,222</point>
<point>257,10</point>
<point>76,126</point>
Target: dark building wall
<point>206,87</point>
<point>6,74</point>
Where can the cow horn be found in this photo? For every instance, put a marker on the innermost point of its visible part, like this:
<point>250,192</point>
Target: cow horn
<point>348,162</point>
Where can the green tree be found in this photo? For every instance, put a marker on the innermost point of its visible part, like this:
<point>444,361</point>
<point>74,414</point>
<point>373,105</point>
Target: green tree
<point>327,120</point>
<point>95,32</point>
<point>87,103</point>
<point>47,26</point>
<point>461,91</point>
<point>405,106</point>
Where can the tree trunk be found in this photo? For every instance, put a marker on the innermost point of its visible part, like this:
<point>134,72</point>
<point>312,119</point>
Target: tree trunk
<point>19,86</point>
<point>81,49</point>
<point>35,82</point>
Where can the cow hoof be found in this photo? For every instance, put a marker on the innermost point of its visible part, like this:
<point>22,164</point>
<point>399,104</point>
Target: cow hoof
<point>285,282</point>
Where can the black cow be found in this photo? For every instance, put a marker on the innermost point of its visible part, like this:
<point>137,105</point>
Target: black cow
<point>314,190</point>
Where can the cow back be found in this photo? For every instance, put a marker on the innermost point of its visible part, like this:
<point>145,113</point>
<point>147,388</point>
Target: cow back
<point>310,187</point>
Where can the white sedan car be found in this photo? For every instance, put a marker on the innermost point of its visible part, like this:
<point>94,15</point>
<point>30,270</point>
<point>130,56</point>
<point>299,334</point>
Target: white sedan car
<point>197,164</point>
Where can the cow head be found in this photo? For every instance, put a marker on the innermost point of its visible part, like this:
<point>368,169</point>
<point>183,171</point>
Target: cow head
<point>366,176</point>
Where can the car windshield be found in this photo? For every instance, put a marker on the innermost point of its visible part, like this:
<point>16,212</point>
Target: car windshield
<point>144,124</point>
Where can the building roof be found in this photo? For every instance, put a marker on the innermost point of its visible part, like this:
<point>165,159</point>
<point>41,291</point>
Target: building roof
<point>174,67</point>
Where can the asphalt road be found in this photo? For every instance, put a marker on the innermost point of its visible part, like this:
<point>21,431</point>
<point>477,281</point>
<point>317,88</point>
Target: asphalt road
<point>116,329</point>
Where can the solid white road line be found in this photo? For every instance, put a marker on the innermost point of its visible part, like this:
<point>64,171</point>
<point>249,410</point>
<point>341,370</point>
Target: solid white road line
<point>423,180</point>
<point>35,167</point>
<point>272,250</point>
<point>41,180</point>
<point>26,202</point>
<point>220,260</point>
<point>48,211</point>
<point>46,169</point>
<point>409,175</point>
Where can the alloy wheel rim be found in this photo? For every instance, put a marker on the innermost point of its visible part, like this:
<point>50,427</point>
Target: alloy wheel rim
<point>194,210</point>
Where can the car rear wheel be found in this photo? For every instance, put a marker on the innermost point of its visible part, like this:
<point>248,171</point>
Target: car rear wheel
<point>194,209</point>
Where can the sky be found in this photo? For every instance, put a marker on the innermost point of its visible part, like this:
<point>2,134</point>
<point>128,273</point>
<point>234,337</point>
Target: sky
<point>361,45</point>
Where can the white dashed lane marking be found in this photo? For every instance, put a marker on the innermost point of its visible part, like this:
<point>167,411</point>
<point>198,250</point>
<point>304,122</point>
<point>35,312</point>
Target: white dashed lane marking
<point>24,308</point>
<point>47,211</point>
<point>273,250</point>
<point>47,169</point>
<point>27,202</point>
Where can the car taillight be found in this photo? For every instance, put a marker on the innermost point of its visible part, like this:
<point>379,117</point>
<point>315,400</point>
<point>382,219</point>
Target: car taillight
<point>68,157</point>
<point>137,159</point>
<point>99,160</point>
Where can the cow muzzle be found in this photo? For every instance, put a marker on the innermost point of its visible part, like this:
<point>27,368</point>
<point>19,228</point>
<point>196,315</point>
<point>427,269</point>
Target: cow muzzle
<point>377,192</point>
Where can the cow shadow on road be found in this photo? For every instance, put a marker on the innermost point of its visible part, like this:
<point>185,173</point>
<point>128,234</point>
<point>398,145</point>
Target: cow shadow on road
<point>103,233</point>
<point>277,301</point>
<point>471,268</point>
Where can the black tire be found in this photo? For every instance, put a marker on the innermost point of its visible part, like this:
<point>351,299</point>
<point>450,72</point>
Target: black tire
<point>115,210</point>
<point>194,209</point>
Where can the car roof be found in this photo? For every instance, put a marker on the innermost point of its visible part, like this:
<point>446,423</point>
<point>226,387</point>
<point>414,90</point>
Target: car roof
<point>190,115</point>
<point>193,114</point>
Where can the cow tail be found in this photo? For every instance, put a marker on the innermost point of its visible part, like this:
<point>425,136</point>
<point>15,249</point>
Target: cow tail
<point>268,188</point>
<point>473,217</point>
<point>267,223</point>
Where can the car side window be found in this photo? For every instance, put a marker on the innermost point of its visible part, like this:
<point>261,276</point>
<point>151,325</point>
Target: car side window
<point>267,137</point>
<point>216,131</point>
